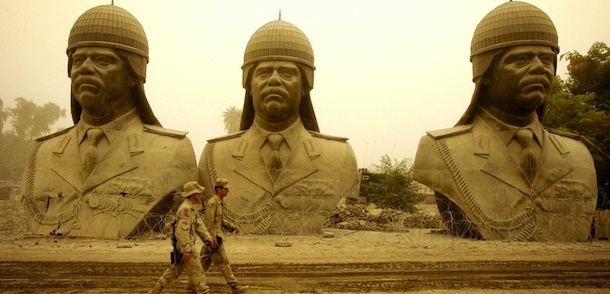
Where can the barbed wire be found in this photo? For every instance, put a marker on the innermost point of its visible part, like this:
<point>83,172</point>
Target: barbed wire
<point>351,217</point>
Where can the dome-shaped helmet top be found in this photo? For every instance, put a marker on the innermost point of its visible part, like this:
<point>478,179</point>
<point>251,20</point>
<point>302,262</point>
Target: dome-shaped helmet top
<point>511,24</point>
<point>114,27</point>
<point>279,40</point>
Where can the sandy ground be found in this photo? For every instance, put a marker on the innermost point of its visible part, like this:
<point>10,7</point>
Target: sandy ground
<point>420,249</point>
<point>346,247</point>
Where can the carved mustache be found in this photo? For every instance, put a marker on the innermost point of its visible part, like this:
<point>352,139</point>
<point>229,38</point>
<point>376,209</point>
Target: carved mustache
<point>535,80</point>
<point>274,91</point>
<point>87,80</point>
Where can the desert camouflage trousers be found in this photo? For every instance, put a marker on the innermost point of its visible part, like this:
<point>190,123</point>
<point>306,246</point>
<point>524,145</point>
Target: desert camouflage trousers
<point>220,259</point>
<point>194,271</point>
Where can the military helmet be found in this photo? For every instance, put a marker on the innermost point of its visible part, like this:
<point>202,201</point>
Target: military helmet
<point>191,188</point>
<point>279,40</point>
<point>113,27</point>
<point>511,24</point>
<point>222,182</point>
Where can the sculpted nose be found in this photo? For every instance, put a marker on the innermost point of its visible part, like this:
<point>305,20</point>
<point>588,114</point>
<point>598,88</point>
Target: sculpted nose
<point>537,65</point>
<point>274,79</point>
<point>86,67</point>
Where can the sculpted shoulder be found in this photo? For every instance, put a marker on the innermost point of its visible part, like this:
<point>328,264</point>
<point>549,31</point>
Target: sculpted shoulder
<point>164,132</point>
<point>54,135</point>
<point>328,137</point>
<point>428,161</point>
<point>450,132</point>
<point>226,137</point>
<point>570,143</point>
<point>563,134</point>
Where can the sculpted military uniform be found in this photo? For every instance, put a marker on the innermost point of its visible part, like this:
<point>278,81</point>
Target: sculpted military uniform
<point>142,167</point>
<point>320,171</point>
<point>472,166</point>
<point>498,174</point>
<point>286,176</point>
<point>114,173</point>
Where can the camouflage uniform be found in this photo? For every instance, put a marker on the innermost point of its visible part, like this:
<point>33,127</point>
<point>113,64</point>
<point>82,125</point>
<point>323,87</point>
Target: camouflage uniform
<point>214,221</point>
<point>189,225</point>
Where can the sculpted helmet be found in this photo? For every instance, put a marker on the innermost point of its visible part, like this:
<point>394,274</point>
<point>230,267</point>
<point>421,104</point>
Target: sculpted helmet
<point>280,40</point>
<point>510,24</point>
<point>113,27</point>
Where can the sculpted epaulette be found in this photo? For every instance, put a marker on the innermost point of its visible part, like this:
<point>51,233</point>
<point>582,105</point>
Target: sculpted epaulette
<point>563,134</point>
<point>329,137</point>
<point>226,137</point>
<point>440,134</point>
<point>56,134</point>
<point>163,131</point>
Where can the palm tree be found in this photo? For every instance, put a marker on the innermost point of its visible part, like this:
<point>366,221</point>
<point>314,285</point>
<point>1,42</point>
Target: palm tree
<point>231,117</point>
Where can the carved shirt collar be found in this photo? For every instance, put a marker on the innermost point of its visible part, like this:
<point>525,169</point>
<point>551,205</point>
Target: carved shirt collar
<point>111,130</point>
<point>507,132</point>
<point>291,134</point>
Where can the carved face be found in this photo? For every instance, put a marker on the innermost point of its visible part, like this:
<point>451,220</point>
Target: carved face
<point>521,79</point>
<point>276,88</point>
<point>100,81</point>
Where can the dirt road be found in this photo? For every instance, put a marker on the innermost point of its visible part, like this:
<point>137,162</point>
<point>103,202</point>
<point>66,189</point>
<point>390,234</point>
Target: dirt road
<point>398,277</point>
<point>353,261</point>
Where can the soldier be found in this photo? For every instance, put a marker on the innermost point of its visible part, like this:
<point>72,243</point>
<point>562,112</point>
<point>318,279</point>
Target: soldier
<point>117,167</point>
<point>286,176</point>
<point>189,225</point>
<point>215,222</point>
<point>499,174</point>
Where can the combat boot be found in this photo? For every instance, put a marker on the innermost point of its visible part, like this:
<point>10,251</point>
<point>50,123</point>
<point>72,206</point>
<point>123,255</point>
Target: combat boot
<point>156,289</point>
<point>235,288</point>
<point>190,288</point>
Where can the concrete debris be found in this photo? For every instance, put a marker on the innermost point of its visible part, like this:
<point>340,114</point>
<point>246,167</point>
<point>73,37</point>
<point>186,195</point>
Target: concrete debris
<point>370,217</point>
<point>283,244</point>
<point>328,235</point>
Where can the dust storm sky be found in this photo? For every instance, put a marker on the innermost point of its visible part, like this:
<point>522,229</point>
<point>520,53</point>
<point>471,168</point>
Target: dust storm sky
<point>386,71</point>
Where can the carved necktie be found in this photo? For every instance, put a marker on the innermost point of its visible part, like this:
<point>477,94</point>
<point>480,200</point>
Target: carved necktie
<point>94,135</point>
<point>528,159</point>
<point>274,162</point>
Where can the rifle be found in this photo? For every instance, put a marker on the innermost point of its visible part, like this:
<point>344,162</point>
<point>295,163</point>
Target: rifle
<point>175,255</point>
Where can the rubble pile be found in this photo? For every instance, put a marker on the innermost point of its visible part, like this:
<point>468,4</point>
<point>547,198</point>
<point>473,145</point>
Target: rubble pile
<point>370,217</point>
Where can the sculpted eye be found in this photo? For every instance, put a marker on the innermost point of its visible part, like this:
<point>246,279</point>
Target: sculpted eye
<point>77,61</point>
<point>546,60</point>
<point>520,61</point>
<point>286,74</point>
<point>263,73</point>
<point>103,61</point>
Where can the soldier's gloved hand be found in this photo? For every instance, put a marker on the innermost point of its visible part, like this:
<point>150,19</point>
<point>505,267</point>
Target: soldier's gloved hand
<point>214,245</point>
<point>236,230</point>
<point>186,256</point>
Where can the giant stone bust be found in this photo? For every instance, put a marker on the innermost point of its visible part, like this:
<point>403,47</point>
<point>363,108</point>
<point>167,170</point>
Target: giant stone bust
<point>114,173</point>
<point>499,174</point>
<point>286,176</point>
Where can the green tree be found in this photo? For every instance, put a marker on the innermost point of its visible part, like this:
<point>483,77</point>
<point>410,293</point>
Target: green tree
<point>393,186</point>
<point>578,114</point>
<point>30,121</point>
<point>590,73</point>
<point>231,117</point>
<point>3,117</point>
<point>27,121</point>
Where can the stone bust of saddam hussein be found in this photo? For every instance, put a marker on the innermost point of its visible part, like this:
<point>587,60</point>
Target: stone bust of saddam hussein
<point>499,174</point>
<point>286,176</point>
<point>115,172</point>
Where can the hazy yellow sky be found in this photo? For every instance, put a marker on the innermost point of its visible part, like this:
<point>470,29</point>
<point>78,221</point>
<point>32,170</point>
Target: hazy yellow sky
<point>387,71</point>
